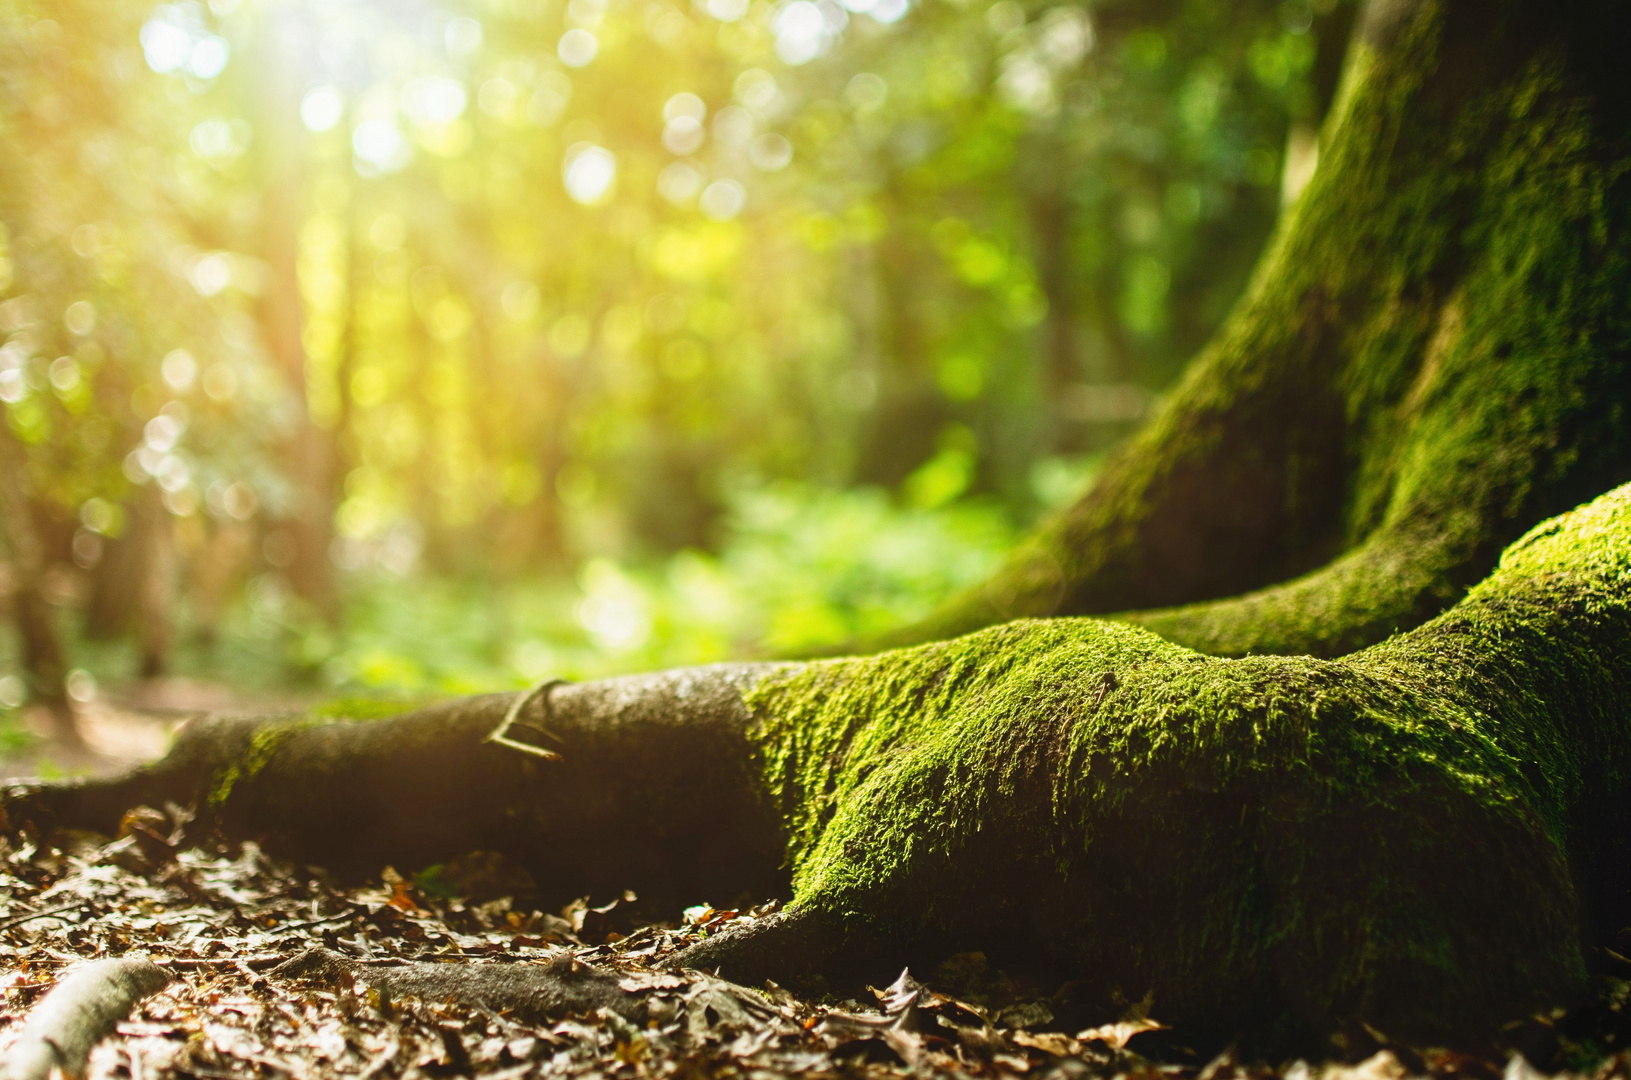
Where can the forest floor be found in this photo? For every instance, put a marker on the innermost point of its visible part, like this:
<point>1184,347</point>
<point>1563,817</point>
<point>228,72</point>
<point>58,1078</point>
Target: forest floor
<point>124,727</point>
<point>224,919</point>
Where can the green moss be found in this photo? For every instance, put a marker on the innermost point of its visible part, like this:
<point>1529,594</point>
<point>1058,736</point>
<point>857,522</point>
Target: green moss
<point>1399,835</point>
<point>367,708</point>
<point>266,739</point>
<point>1431,358</point>
<point>222,783</point>
<point>264,742</point>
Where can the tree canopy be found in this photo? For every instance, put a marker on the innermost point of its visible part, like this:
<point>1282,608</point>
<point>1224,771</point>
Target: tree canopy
<point>300,298</point>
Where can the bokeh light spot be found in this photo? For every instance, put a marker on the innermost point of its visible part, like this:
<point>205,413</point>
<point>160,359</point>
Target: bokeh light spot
<point>589,173</point>
<point>723,199</point>
<point>80,317</point>
<point>801,32</point>
<point>165,45</point>
<point>462,36</point>
<point>208,57</point>
<point>379,146</point>
<point>683,135</point>
<point>680,182</point>
<point>179,369</point>
<point>321,108</point>
<point>577,47</point>
<point>727,10</point>
<point>771,152</point>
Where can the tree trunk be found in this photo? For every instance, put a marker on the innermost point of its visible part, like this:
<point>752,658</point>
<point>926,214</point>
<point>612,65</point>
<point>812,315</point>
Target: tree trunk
<point>1051,225</point>
<point>217,575</point>
<point>1431,358</point>
<point>155,630</point>
<point>45,664</point>
<point>133,586</point>
<point>1426,835</point>
<point>309,450</point>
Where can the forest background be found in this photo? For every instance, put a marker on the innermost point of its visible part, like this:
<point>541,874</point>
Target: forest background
<point>403,350</point>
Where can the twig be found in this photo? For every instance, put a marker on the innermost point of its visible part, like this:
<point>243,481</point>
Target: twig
<point>256,963</point>
<point>18,920</point>
<point>501,733</point>
<point>319,922</point>
<point>388,1055</point>
<point>204,963</point>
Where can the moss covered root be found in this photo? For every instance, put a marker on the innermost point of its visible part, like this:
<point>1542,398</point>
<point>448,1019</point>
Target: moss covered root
<point>1419,835</point>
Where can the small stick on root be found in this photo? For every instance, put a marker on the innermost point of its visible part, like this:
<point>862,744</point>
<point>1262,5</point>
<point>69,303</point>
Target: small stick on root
<point>79,1012</point>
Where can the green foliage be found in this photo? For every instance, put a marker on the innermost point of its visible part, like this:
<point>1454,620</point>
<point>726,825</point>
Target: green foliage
<point>800,568</point>
<point>489,308</point>
<point>13,735</point>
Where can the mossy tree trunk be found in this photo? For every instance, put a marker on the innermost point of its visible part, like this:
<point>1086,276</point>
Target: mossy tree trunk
<point>1426,834</point>
<point>1433,356</point>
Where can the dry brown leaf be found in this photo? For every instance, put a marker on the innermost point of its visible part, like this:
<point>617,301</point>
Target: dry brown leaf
<point>1119,1033</point>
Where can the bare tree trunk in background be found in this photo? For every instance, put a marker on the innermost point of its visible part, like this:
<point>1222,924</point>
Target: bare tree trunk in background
<point>356,274</point>
<point>552,547</point>
<point>309,452</point>
<point>44,662</point>
<point>133,587</point>
<point>1118,364</point>
<point>908,410</point>
<point>155,607</point>
<point>1050,218</point>
<point>423,495</point>
<point>536,534</point>
<point>218,570</point>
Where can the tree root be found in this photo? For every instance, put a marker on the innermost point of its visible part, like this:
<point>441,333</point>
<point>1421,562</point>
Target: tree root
<point>657,788</point>
<point>531,992</point>
<point>79,1012</point>
<point>791,947</point>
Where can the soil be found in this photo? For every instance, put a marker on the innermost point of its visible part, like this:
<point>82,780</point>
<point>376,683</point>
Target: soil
<point>126,726</point>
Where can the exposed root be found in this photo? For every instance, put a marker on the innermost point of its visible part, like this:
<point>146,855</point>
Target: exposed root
<point>531,992</point>
<point>77,1014</point>
<point>788,946</point>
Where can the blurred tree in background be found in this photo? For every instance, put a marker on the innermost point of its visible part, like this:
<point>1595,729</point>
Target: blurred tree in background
<point>434,348</point>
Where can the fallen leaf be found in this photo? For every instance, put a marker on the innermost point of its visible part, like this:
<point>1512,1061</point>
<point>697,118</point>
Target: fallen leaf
<point>1119,1033</point>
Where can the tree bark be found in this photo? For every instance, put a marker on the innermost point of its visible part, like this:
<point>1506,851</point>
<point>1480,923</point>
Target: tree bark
<point>657,790</point>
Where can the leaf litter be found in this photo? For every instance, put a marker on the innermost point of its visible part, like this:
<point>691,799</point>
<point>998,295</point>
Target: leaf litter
<point>279,971</point>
